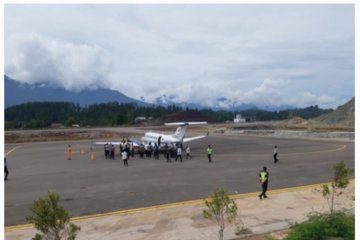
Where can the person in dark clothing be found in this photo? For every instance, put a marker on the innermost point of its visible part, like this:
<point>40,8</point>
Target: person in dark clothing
<point>106,150</point>
<point>168,155</point>
<point>264,178</point>
<point>156,152</point>
<point>112,151</point>
<point>275,154</point>
<point>6,171</point>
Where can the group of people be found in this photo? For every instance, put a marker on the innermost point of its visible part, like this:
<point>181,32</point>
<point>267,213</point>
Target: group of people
<point>127,148</point>
<point>151,149</point>
<point>109,150</point>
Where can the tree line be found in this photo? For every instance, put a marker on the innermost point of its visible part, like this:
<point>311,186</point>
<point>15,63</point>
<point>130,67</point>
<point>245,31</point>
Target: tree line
<point>35,115</point>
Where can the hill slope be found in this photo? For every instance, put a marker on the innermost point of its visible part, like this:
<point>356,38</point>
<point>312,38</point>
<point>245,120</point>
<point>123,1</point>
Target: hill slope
<point>343,116</point>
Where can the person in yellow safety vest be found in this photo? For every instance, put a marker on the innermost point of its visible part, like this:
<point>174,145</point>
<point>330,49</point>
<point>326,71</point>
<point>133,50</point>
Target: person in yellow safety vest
<point>209,152</point>
<point>264,178</point>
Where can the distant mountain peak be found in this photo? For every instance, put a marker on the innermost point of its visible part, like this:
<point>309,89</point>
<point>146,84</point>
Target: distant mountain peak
<point>17,92</point>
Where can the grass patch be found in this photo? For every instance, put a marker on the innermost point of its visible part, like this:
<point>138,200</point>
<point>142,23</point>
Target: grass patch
<point>338,225</point>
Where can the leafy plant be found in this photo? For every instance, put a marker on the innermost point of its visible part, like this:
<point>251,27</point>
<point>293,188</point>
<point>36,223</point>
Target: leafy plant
<point>325,226</point>
<point>52,220</point>
<point>222,208</point>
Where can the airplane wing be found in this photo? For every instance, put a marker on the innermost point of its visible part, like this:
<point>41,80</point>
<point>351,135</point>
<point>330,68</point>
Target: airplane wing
<point>194,138</point>
<point>184,123</point>
<point>103,143</point>
<point>135,143</point>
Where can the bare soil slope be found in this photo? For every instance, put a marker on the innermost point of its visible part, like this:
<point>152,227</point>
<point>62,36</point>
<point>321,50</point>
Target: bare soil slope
<point>343,116</point>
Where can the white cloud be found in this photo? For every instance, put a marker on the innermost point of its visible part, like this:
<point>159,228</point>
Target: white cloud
<point>189,52</point>
<point>269,92</point>
<point>308,99</point>
<point>72,66</point>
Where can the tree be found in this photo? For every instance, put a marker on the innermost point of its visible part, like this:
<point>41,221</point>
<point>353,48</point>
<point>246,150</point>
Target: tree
<point>341,181</point>
<point>52,220</point>
<point>222,208</point>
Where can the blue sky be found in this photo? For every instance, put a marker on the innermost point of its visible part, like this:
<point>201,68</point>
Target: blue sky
<point>266,54</point>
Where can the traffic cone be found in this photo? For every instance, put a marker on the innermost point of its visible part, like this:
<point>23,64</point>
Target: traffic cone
<point>82,151</point>
<point>92,156</point>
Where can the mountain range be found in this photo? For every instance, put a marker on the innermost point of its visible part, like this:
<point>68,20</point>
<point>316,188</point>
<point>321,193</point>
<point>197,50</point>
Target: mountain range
<point>17,93</point>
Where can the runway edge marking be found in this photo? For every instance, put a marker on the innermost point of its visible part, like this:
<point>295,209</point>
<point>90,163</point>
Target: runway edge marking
<point>8,153</point>
<point>170,205</point>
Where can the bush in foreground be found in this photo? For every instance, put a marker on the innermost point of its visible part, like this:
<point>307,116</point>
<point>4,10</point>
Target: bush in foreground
<point>52,220</point>
<point>337,225</point>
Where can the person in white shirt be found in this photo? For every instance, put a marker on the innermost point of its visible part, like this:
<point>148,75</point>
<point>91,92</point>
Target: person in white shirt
<point>178,154</point>
<point>275,154</point>
<point>187,150</point>
<point>124,157</point>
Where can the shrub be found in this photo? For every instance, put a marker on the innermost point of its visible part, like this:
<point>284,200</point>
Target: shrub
<point>325,226</point>
<point>222,208</point>
<point>52,220</point>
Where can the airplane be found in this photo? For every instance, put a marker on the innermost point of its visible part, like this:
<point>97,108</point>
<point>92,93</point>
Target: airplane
<point>177,138</point>
<point>163,139</point>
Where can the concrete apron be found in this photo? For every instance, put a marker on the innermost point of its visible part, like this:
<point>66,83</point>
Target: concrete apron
<point>184,220</point>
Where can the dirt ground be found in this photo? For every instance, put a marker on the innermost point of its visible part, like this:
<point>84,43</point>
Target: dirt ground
<point>117,133</point>
<point>274,235</point>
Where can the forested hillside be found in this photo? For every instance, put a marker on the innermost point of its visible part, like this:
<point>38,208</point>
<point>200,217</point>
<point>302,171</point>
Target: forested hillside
<point>46,114</point>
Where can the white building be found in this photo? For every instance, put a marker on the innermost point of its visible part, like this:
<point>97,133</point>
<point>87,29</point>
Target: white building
<point>239,119</point>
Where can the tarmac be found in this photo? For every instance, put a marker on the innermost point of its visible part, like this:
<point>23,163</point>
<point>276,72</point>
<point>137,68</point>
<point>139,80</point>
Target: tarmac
<point>155,200</point>
<point>184,220</point>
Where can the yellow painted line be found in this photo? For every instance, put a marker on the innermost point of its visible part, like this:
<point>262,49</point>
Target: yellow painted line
<point>170,205</point>
<point>321,151</point>
<point>295,153</point>
<point>8,153</point>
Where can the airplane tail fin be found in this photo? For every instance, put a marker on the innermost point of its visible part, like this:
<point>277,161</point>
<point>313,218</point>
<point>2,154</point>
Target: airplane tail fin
<point>181,130</point>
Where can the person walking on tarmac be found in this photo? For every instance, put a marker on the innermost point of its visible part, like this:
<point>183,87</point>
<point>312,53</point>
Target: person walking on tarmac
<point>178,154</point>
<point>264,178</point>
<point>275,154</point>
<point>209,152</point>
<point>69,152</point>
<point>6,171</point>
<point>187,150</point>
<point>124,156</point>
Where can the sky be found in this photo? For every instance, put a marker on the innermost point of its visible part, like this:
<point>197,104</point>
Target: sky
<point>264,54</point>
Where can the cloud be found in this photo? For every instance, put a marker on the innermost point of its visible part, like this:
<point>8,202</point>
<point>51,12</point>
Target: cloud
<point>308,99</point>
<point>72,66</point>
<point>265,54</point>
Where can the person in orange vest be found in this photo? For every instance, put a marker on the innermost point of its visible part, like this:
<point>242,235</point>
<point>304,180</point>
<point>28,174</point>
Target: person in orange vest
<point>69,152</point>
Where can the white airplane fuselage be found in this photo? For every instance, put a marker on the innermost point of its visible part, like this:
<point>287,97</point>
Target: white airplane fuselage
<point>177,137</point>
<point>161,139</point>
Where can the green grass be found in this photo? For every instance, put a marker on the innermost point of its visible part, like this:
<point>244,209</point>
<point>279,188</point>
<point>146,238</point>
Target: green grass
<point>325,226</point>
